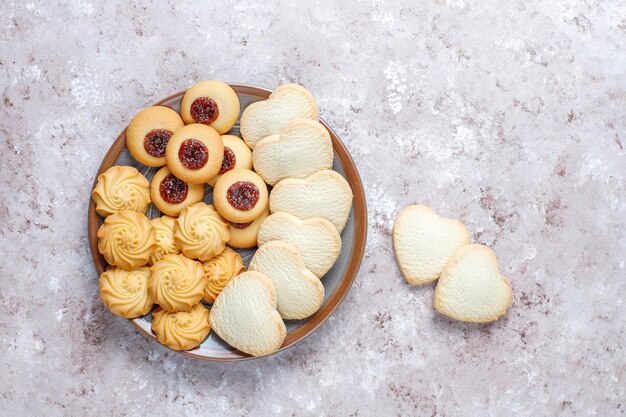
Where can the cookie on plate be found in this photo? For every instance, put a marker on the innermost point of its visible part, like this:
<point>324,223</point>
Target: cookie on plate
<point>240,195</point>
<point>244,235</point>
<point>212,103</point>
<point>148,133</point>
<point>236,155</point>
<point>176,282</point>
<point>317,239</point>
<point>302,148</point>
<point>194,153</point>
<point>182,330</point>
<point>324,194</point>
<point>471,287</point>
<point>124,292</point>
<point>264,118</point>
<point>244,315</point>
<point>164,233</point>
<point>170,194</point>
<point>200,232</point>
<point>219,271</point>
<point>300,293</point>
<point>126,239</point>
<point>424,243</point>
<point>121,188</point>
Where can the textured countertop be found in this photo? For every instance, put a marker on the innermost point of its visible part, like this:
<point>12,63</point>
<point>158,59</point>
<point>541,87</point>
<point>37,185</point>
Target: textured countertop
<point>510,116</point>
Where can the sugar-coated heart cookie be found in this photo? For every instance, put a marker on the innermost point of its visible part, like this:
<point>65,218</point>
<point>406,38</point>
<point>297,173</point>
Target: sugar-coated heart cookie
<point>325,194</point>
<point>317,239</point>
<point>424,242</point>
<point>302,148</point>
<point>471,287</point>
<point>268,117</point>
<point>211,103</point>
<point>245,316</point>
<point>300,293</point>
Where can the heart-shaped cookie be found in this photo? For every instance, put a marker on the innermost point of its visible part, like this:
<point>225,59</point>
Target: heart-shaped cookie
<point>471,287</point>
<point>268,117</point>
<point>244,315</point>
<point>424,242</point>
<point>325,194</point>
<point>317,239</point>
<point>302,148</point>
<point>300,293</point>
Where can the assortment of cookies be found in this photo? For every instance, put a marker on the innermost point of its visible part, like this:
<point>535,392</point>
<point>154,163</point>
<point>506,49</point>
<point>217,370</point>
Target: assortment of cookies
<point>470,286</point>
<point>273,187</point>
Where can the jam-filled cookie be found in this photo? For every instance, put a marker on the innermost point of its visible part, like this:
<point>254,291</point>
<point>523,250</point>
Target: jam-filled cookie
<point>170,194</point>
<point>219,271</point>
<point>126,239</point>
<point>121,188</point>
<point>183,330</point>
<point>125,293</point>
<point>240,195</point>
<point>164,229</point>
<point>200,232</point>
<point>212,103</point>
<point>195,153</point>
<point>148,133</point>
<point>176,282</point>
<point>244,235</point>
<point>236,155</point>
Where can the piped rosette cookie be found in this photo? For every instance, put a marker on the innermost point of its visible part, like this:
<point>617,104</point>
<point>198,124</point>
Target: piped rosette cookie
<point>183,330</point>
<point>126,239</point>
<point>244,235</point>
<point>240,195</point>
<point>195,153</point>
<point>200,232</point>
<point>121,188</point>
<point>149,132</point>
<point>176,282</point>
<point>211,103</point>
<point>219,271</point>
<point>164,233</point>
<point>236,155</point>
<point>125,293</point>
<point>170,194</point>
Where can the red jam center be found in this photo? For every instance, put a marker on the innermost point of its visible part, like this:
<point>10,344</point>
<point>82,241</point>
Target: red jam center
<point>193,154</point>
<point>243,195</point>
<point>155,141</point>
<point>173,190</point>
<point>240,225</point>
<point>204,110</point>
<point>229,160</point>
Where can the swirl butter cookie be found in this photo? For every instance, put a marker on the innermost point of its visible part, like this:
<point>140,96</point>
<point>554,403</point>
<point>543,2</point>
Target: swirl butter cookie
<point>148,133</point>
<point>170,194</point>
<point>164,233</point>
<point>176,282</point>
<point>195,153</point>
<point>183,330</point>
<point>244,235</point>
<point>126,239</point>
<point>236,155</point>
<point>240,195</point>
<point>219,271</point>
<point>264,118</point>
<point>125,293</point>
<point>121,188</point>
<point>212,103</point>
<point>200,232</point>
<point>325,194</point>
<point>302,148</point>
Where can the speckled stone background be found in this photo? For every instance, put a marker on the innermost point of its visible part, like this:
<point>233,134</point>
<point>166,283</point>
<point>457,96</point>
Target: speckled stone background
<point>509,115</point>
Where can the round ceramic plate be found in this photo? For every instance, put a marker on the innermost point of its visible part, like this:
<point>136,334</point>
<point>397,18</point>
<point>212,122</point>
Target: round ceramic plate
<point>337,281</point>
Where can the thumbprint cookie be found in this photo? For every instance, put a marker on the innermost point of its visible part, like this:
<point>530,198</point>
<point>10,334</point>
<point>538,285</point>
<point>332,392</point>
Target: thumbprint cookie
<point>195,153</point>
<point>148,133</point>
<point>211,103</point>
<point>236,155</point>
<point>240,195</point>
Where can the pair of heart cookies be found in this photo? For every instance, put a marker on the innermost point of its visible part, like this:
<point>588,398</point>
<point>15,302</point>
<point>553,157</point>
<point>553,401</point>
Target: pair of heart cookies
<point>428,247</point>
